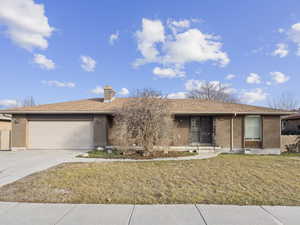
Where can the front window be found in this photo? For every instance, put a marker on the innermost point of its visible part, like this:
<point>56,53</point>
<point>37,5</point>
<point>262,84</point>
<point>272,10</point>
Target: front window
<point>253,128</point>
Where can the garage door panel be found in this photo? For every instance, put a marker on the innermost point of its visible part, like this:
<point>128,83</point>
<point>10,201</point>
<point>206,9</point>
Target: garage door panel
<point>60,134</point>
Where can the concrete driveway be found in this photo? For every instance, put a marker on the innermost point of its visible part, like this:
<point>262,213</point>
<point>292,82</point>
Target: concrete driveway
<point>16,165</point>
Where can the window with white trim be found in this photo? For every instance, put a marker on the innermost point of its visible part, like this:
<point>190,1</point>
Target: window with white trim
<point>253,128</point>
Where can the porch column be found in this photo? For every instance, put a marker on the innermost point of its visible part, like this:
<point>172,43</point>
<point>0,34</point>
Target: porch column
<point>100,130</point>
<point>214,131</point>
<point>231,133</point>
<point>19,139</point>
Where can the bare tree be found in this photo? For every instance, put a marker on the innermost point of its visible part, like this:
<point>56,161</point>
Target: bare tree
<point>214,92</point>
<point>144,122</point>
<point>28,101</point>
<point>147,93</point>
<point>286,101</point>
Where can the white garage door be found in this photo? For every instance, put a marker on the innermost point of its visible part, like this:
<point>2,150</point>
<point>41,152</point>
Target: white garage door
<point>60,134</point>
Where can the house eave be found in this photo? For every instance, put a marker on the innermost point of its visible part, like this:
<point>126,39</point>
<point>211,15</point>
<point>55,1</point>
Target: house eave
<point>233,113</point>
<point>58,112</point>
<point>174,113</point>
<point>294,118</point>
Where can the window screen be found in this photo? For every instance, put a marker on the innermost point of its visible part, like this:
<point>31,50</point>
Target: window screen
<point>253,127</point>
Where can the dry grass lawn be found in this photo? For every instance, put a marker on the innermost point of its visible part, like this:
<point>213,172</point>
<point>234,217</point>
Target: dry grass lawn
<point>226,179</point>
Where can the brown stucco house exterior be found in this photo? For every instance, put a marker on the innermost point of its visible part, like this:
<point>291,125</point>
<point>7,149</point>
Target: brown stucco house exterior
<point>5,122</point>
<point>291,124</point>
<point>88,123</point>
<point>5,130</point>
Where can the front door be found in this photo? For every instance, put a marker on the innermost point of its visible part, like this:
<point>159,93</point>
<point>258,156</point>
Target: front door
<point>201,130</point>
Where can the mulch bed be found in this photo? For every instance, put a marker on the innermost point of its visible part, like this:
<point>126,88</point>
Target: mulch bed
<point>136,154</point>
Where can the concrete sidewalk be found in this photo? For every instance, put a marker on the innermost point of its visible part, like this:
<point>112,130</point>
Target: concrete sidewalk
<point>82,214</point>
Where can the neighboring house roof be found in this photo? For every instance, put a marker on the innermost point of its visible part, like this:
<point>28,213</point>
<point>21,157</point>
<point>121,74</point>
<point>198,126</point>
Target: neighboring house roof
<point>292,117</point>
<point>177,106</point>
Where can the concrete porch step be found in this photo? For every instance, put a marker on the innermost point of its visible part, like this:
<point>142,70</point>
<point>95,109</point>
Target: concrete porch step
<point>196,148</point>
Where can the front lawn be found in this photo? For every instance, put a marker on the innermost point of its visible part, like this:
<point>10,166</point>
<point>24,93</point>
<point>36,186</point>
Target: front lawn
<point>226,179</point>
<point>291,154</point>
<point>135,155</point>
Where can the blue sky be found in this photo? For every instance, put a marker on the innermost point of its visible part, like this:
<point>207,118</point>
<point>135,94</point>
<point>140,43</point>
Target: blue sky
<point>65,50</point>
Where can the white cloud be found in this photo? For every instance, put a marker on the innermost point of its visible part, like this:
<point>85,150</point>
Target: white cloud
<point>194,46</point>
<point>254,95</point>
<point>196,20</point>
<point>88,63</point>
<point>230,76</point>
<point>191,85</point>
<point>279,77</point>
<point>97,90</point>
<point>8,103</point>
<point>281,50</point>
<point>229,90</point>
<point>253,78</point>
<point>178,25</point>
<point>280,30</point>
<point>177,95</point>
<point>56,83</point>
<point>168,72</point>
<point>44,62</point>
<point>152,32</point>
<point>26,23</point>
<point>178,48</point>
<point>124,92</point>
<point>113,38</point>
<point>294,35</point>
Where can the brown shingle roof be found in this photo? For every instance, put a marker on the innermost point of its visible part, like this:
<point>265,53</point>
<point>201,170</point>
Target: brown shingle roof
<point>177,106</point>
<point>292,117</point>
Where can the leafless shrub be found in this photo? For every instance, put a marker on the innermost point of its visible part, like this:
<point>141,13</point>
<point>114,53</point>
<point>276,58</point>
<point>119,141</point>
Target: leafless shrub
<point>214,92</point>
<point>144,122</point>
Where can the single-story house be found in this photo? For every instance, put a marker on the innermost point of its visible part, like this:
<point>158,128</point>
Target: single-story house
<point>5,122</point>
<point>291,124</point>
<point>86,124</point>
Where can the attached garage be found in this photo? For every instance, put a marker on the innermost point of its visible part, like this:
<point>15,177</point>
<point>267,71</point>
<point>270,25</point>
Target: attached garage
<point>60,134</point>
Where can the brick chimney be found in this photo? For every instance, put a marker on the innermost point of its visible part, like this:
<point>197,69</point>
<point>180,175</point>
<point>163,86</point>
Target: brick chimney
<point>109,93</point>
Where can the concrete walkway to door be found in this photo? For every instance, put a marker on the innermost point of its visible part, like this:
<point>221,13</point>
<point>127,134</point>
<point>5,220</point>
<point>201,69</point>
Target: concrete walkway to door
<point>82,214</point>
